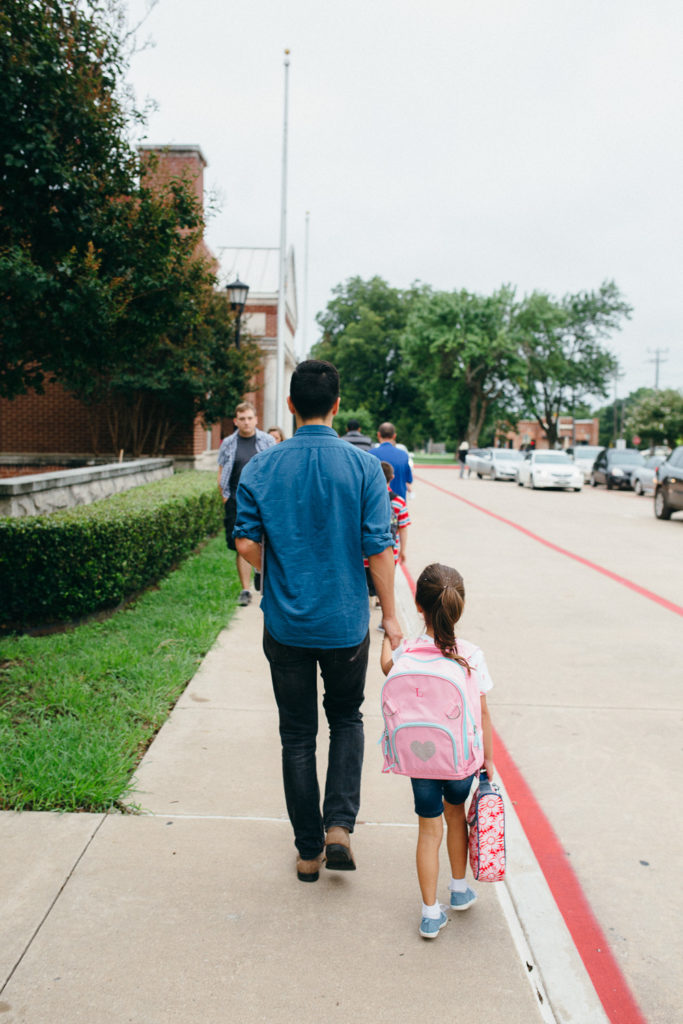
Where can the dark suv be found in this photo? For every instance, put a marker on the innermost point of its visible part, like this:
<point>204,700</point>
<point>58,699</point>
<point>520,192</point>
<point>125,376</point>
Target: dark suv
<point>613,467</point>
<point>669,485</point>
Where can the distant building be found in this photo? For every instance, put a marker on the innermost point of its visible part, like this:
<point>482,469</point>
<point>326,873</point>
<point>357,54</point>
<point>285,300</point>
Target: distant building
<point>585,431</point>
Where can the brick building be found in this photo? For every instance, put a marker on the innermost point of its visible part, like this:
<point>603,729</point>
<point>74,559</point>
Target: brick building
<point>56,423</point>
<point>570,433</point>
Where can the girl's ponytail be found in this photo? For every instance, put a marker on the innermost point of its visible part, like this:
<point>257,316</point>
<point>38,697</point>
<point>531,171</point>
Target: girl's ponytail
<point>440,592</point>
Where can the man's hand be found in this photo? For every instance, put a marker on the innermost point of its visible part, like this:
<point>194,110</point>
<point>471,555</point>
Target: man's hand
<point>392,630</point>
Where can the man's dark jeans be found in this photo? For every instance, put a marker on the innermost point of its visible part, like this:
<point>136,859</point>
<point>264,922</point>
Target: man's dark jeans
<point>294,674</point>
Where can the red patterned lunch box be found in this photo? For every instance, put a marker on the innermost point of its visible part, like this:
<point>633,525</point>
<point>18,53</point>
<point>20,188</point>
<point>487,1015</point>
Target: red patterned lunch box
<point>486,822</point>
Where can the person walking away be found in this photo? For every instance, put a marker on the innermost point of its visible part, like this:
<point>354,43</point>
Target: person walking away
<point>307,512</point>
<point>386,451</point>
<point>400,521</point>
<point>354,436</point>
<point>234,453</point>
<point>440,598</point>
<point>462,456</point>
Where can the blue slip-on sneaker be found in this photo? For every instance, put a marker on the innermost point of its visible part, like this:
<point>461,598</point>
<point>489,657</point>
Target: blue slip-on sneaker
<point>431,926</point>
<point>463,900</point>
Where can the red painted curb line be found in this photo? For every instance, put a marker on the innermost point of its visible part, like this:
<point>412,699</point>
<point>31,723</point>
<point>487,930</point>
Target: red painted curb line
<point>587,935</point>
<point>649,594</point>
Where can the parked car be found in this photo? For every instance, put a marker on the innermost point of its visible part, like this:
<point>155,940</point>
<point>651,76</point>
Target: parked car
<point>613,467</point>
<point>549,469</point>
<point>643,477</point>
<point>502,463</point>
<point>498,463</point>
<point>474,460</point>
<point>669,485</point>
<point>584,456</point>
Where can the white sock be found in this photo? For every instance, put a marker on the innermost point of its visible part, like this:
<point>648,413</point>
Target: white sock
<point>457,885</point>
<point>433,912</point>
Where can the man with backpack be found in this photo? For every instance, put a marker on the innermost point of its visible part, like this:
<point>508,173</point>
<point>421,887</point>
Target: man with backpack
<point>307,512</point>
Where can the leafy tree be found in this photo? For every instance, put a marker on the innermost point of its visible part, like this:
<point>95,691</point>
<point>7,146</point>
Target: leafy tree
<point>65,154</point>
<point>367,422</point>
<point>612,417</point>
<point>460,349</point>
<point>561,345</point>
<point>361,334</point>
<point>103,280</point>
<point>657,417</point>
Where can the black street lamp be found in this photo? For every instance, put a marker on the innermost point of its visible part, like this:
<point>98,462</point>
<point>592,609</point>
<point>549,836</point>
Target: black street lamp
<point>237,293</point>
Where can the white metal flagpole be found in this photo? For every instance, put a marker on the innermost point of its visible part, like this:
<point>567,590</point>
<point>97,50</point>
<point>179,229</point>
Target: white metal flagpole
<point>304,353</point>
<point>281,298</point>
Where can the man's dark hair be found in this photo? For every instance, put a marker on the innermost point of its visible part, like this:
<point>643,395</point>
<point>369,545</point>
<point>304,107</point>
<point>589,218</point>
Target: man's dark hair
<point>353,425</point>
<point>314,388</point>
<point>387,430</point>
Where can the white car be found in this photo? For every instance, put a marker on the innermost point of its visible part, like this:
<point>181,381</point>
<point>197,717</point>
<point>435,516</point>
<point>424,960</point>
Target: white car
<point>584,456</point>
<point>549,469</point>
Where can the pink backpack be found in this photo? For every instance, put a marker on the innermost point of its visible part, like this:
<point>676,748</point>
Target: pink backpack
<point>432,715</point>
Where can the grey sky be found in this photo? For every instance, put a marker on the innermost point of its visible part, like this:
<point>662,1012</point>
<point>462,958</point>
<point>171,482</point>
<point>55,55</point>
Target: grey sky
<point>535,143</point>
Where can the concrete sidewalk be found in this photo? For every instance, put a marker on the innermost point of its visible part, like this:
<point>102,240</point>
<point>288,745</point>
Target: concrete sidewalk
<point>191,910</point>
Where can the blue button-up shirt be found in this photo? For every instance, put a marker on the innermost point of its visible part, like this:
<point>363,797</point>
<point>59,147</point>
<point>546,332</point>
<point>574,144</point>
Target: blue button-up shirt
<point>319,504</point>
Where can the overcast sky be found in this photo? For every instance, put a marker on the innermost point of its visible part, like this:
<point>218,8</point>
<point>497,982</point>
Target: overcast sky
<point>464,145</point>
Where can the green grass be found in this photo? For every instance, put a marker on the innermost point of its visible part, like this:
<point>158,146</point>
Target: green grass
<point>435,460</point>
<point>78,709</point>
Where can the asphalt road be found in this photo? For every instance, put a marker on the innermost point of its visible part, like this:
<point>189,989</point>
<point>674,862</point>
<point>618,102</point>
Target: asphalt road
<point>577,601</point>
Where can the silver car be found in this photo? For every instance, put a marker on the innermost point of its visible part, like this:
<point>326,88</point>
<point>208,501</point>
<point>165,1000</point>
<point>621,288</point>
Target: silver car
<point>500,463</point>
<point>643,477</point>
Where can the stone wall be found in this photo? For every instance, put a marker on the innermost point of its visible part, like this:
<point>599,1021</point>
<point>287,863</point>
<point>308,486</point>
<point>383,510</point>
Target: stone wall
<point>42,493</point>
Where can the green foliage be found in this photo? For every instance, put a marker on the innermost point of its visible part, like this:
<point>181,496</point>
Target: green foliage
<point>656,417</point>
<point>65,154</point>
<point>367,423</point>
<point>561,344</point>
<point>74,562</point>
<point>71,737</point>
<point>104,281</point>
<point>456,364</point>
<point>362,329</point>
<point>460,349</point>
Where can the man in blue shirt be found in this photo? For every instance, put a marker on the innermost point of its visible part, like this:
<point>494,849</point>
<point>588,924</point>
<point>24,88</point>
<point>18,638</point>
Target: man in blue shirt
<point>386,451</point>
<point>307,511</point>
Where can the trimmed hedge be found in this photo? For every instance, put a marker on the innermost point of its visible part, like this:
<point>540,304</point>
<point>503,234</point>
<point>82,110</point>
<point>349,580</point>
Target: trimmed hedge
<point>71,563</point>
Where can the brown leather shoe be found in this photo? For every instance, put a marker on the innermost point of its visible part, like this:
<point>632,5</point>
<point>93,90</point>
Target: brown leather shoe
<point>338,856</point>
<point>308,870</point>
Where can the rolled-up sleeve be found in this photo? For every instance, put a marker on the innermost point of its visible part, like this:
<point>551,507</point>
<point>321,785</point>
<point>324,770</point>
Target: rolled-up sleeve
<point>248,522</point>
<point>376,512</point>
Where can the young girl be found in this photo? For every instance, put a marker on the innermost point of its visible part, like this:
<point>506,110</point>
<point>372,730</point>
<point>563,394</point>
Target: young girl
<point>440,598</point>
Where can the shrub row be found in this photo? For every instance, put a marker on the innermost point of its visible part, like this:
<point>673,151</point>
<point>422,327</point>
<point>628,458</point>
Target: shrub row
<point>71,563</point>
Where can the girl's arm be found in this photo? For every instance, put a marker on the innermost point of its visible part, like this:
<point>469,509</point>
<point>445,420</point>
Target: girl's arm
<point>386,661</point>
<point>488,737</point>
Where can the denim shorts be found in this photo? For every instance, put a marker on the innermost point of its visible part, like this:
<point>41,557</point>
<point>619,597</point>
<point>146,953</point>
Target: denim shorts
<point>430,794</point>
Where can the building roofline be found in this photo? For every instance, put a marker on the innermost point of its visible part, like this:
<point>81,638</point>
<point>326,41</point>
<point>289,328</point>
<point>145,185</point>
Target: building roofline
<point>175,150</point>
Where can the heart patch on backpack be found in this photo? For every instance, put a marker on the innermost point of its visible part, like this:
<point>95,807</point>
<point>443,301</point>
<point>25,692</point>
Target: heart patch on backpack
<point>424,751</point>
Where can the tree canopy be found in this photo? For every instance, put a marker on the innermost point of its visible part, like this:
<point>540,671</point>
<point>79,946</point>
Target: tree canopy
<point>561,344</point>
<point>103,284</point>
<point>460,349</point>
<point>456,364</point>
<point>362,327</point>
<point>656,417</point>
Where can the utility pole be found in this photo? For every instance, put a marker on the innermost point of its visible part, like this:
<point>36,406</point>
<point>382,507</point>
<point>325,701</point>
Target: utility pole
<point>659,354</point>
